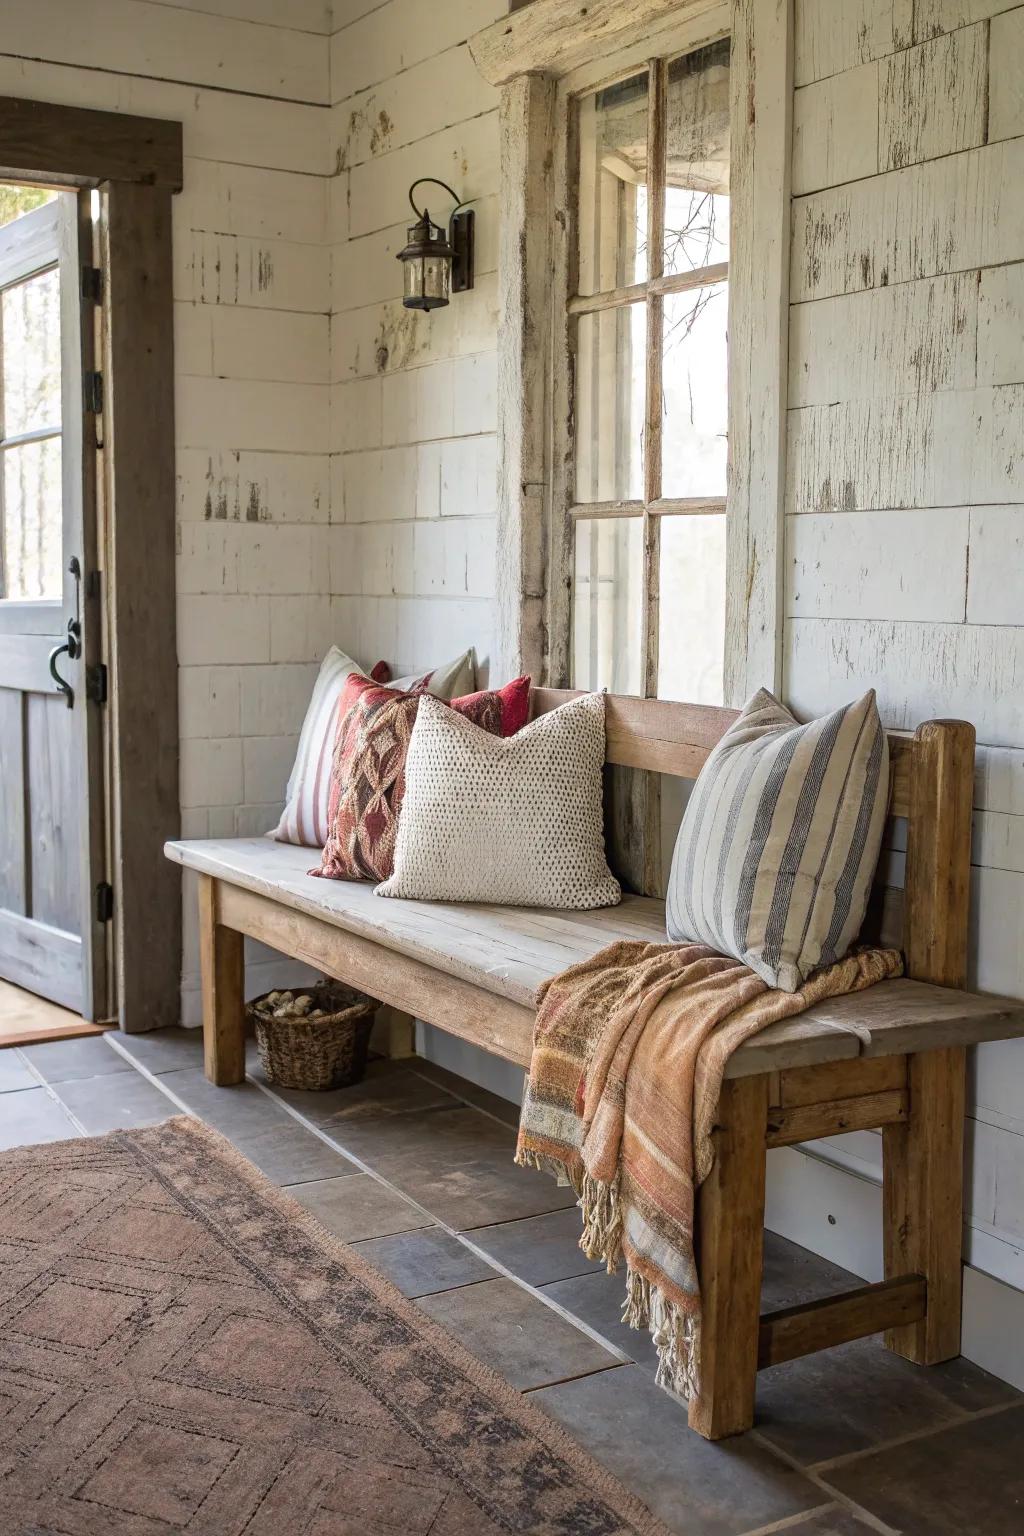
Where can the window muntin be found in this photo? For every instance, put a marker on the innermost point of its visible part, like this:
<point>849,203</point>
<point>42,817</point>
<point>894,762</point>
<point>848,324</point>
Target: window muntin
<point>649,342</point>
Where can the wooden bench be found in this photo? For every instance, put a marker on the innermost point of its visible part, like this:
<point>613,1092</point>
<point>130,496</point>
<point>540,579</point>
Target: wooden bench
<point>891,1058</point>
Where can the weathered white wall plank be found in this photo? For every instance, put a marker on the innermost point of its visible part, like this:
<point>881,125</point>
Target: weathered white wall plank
<point>831,38</point>
<point>169,42</point>
<point>940,315</point>
<point>932,99</point>
<point>995,593</point>
<point>1001,325</point>
<point>835,129</point>
<point>949,215</point>
<point>833,570</point>
<point>954,448</point>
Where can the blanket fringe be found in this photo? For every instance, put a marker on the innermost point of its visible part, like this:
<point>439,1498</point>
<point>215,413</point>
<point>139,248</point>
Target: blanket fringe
<point>676,1334</point>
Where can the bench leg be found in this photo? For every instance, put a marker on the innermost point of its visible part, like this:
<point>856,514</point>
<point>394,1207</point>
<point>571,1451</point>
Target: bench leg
<point>394,1033</point>
<point>730,1251</point>
<point>923,1175</point>
<point>221,962</point>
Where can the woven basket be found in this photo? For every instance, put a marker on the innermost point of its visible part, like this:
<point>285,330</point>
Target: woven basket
<point>329,1052</point>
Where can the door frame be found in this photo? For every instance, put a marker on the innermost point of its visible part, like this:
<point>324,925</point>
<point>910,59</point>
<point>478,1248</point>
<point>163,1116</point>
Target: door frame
<point>135,163</point>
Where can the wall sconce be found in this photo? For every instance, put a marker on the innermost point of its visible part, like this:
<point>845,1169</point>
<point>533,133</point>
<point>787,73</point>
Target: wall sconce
<point>436,264</point>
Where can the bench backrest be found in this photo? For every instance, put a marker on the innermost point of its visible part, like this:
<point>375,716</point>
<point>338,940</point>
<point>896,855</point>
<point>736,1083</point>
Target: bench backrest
<point>931,785</point>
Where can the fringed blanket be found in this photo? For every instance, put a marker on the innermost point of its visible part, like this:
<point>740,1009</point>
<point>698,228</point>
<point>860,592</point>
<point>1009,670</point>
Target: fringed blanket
<point>629,1053</point>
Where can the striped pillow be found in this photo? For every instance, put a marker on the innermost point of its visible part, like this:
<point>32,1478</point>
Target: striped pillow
<point>777,851</point>
<point>305,818</point>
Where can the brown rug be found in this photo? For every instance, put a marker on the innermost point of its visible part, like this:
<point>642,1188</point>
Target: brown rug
<point>183,1348</point>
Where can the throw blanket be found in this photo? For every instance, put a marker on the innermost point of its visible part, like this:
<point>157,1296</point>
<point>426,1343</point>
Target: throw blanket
<point>629,1053</point>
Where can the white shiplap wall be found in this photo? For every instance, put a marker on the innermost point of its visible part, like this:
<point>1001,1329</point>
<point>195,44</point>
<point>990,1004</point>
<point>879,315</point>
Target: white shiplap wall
<point>413,396</point>
<point>249,81</point>
<point>905,495</point>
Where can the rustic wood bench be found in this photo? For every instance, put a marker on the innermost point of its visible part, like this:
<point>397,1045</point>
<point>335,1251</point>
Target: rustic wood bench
<point>891,1058</point>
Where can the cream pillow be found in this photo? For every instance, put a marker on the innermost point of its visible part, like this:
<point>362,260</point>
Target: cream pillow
<point>305,816</point>
<point>777,851</point>
<point>517,821</point>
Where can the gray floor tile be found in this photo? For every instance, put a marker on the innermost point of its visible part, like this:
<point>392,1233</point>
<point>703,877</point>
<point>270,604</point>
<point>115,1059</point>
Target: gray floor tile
<point>834,1521</point>
<point>165,1050</point>
<point>860,1395</point>
<point>425,1261</point>
<point>480,1098</point>
<point>289,1154</point>
<point>539,1249</point>
<point>510,1330</point>
<point>698,1488</point>
<point>459,1164</point>
<point>30,1115</point>
<point>967,1480</point>
<point>268,1135</point>
<point>115,1102</point>
<point>388,1092</point>
<point>357,1207</point>
<point>63,1061</point>
<point>14,1073</point>
<point>597,1298</point>
<point>794,1275</point>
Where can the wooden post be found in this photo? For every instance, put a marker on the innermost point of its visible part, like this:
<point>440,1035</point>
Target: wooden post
<point>394,1033</point>
<point>223,972</point>
<point>730,1248</point>
<point>923,1159</point>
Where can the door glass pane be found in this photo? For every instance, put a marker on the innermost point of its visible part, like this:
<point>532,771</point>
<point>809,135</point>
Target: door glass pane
<point>697,169</point>
<point>612,205</point>
<point>695,402</point>
<point>691,616</point>
<point>611,359</point>
<point>32,522</point>
<point>607,606</point>
<point>31,354</point>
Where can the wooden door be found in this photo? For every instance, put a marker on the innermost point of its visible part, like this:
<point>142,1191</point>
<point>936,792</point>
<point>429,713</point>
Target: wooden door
<point>54,905</point>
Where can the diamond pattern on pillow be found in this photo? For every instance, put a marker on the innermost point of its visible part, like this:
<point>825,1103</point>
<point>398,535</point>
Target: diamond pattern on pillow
<point>374,729</point>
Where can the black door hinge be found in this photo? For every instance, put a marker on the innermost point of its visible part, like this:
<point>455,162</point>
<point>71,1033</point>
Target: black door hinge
<point>92,284</point>
<point>94,393</point>
<point>104,901</point>
<point>96,683</point>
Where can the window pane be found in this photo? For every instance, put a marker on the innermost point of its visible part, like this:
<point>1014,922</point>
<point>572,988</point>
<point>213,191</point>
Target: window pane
<point>691,615</point>
<point>31,354</point>
<point>695,393</point>
<point>607,604</point>
<point>612,206</point>
<point>611,359</point>
<point>32,532</point>
<point>697,169</point>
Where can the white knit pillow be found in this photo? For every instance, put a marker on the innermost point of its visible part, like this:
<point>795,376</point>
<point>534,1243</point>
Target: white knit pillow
<point>516,820</point>
<point>304,819</point>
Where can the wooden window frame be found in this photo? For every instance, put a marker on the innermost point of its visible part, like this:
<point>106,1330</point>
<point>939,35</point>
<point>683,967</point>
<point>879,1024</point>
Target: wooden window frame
<point>568,305</point>
<point>532,54</point>
<point>40,253</point>
<point>135,163</point>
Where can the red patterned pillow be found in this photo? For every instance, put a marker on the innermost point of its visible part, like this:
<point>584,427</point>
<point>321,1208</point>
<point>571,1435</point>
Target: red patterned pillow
<point>368,768</point>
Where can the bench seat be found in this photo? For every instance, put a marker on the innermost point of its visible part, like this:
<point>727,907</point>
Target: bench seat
<point>511,951</point>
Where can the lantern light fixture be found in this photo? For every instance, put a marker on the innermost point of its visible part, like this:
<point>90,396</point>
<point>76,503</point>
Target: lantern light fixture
<point>437,264</point>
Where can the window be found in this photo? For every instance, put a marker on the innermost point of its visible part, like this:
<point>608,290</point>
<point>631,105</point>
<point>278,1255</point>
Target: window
<point>31,498</point>
<point>647,319</point>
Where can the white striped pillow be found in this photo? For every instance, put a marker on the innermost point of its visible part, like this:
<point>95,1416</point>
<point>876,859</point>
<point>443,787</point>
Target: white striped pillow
<point>777,851</point>
<point>304,819</point>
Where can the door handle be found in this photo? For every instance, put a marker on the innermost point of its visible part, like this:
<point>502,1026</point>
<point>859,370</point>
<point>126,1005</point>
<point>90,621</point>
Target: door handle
<point>73,646</point>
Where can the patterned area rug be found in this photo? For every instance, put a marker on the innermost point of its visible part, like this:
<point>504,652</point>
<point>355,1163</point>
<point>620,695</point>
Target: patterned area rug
<point>183,1348</point>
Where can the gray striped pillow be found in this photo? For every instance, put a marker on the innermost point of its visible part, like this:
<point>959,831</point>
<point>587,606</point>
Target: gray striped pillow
<point>777,850</point>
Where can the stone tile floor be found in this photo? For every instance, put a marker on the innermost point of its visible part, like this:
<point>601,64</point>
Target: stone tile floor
<point>415,1167</point>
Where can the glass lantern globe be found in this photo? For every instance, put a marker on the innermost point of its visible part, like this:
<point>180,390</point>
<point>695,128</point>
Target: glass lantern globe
<point>426,266</point>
